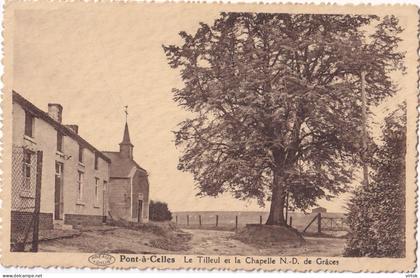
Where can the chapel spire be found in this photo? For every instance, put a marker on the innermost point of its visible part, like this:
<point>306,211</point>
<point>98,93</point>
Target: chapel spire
<point>126,147</point>
<point>126,136</point>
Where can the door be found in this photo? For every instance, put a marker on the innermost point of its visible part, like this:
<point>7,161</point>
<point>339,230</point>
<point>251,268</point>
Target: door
<point>104,202</point>
<point>58,193</point>
<point>140,212</point>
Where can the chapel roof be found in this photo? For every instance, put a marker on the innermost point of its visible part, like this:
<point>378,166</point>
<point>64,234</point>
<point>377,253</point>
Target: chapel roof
<point>122,166</point>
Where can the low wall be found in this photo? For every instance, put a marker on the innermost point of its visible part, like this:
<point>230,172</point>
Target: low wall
<point>81,219</point>
<point>21,219</point>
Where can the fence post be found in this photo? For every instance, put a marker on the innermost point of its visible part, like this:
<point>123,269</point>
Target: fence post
<point>217,220</point>
<point>176,219</point>
<point>236,222</point>
<point>287,205</point>
<point>260,219</point>
<point>290,221</point>
<point>319,223</point>
<point>199,220</point>
<point>37,201</point>
<point>188,220</point>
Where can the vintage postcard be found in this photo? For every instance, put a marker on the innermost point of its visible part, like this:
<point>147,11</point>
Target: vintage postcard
<point>209,136</point>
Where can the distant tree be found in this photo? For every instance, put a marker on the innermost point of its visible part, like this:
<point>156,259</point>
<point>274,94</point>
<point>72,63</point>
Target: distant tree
<point>275,102</point>
<point>377,212</point>
<point>159,211</point>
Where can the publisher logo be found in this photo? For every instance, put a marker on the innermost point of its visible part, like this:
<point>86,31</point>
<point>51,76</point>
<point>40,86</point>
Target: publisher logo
<point>101,259</point>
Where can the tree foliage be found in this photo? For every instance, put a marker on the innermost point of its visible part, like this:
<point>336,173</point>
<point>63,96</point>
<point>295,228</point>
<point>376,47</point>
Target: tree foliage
<point>159,211</point>
<point>275,102</point>
<point>377,212</point>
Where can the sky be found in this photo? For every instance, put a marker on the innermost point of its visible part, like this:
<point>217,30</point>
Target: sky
<point>94,61</point>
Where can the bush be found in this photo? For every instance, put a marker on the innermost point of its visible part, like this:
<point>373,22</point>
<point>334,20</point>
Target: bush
<point>158,211</point>
<point>377,212</point>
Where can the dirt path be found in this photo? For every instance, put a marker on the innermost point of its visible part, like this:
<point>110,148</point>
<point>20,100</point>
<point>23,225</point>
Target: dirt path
<point>203,242</point>
<point>211,242</point>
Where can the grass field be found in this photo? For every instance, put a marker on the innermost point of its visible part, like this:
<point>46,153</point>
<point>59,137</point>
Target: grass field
<point>227,220</point>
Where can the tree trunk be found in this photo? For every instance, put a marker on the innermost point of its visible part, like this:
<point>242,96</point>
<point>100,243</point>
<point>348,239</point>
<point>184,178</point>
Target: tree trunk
<point>276,216</point>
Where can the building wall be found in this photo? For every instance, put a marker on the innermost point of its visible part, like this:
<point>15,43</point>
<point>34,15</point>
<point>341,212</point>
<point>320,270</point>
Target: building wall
<point>317,210</point>
<point>43,134</point>
<point>119,198</point>
<point>140,191</point>
<point>45,139</point>
<point>88,204</point>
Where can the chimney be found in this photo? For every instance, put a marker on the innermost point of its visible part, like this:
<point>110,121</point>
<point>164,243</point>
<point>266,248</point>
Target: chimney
<point>74,128</point>
<point>55,111</point>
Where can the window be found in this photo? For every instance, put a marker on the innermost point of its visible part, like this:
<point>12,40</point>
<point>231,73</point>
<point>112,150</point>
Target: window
<point>29,124</point>
<point>96,191</point>
<point>96,161</point>
<point>59,142</point>
<point>27,156</point>
<point>80,185</point>
<point>80,154</point>
<point>58,169</point>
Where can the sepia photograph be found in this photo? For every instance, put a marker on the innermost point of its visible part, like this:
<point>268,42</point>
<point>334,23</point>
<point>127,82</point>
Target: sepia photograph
<point>163,133</point>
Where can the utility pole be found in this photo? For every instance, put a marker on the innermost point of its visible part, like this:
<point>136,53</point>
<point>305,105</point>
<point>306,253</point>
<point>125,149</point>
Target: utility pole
<point>364,131</point>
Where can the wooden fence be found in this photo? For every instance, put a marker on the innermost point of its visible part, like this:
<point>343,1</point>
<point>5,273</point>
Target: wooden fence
<point>305,223</point>
<point>197,221</point>
<point>323,223</point>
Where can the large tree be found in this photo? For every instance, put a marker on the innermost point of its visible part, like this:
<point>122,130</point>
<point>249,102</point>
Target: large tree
<point>275,102</point>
